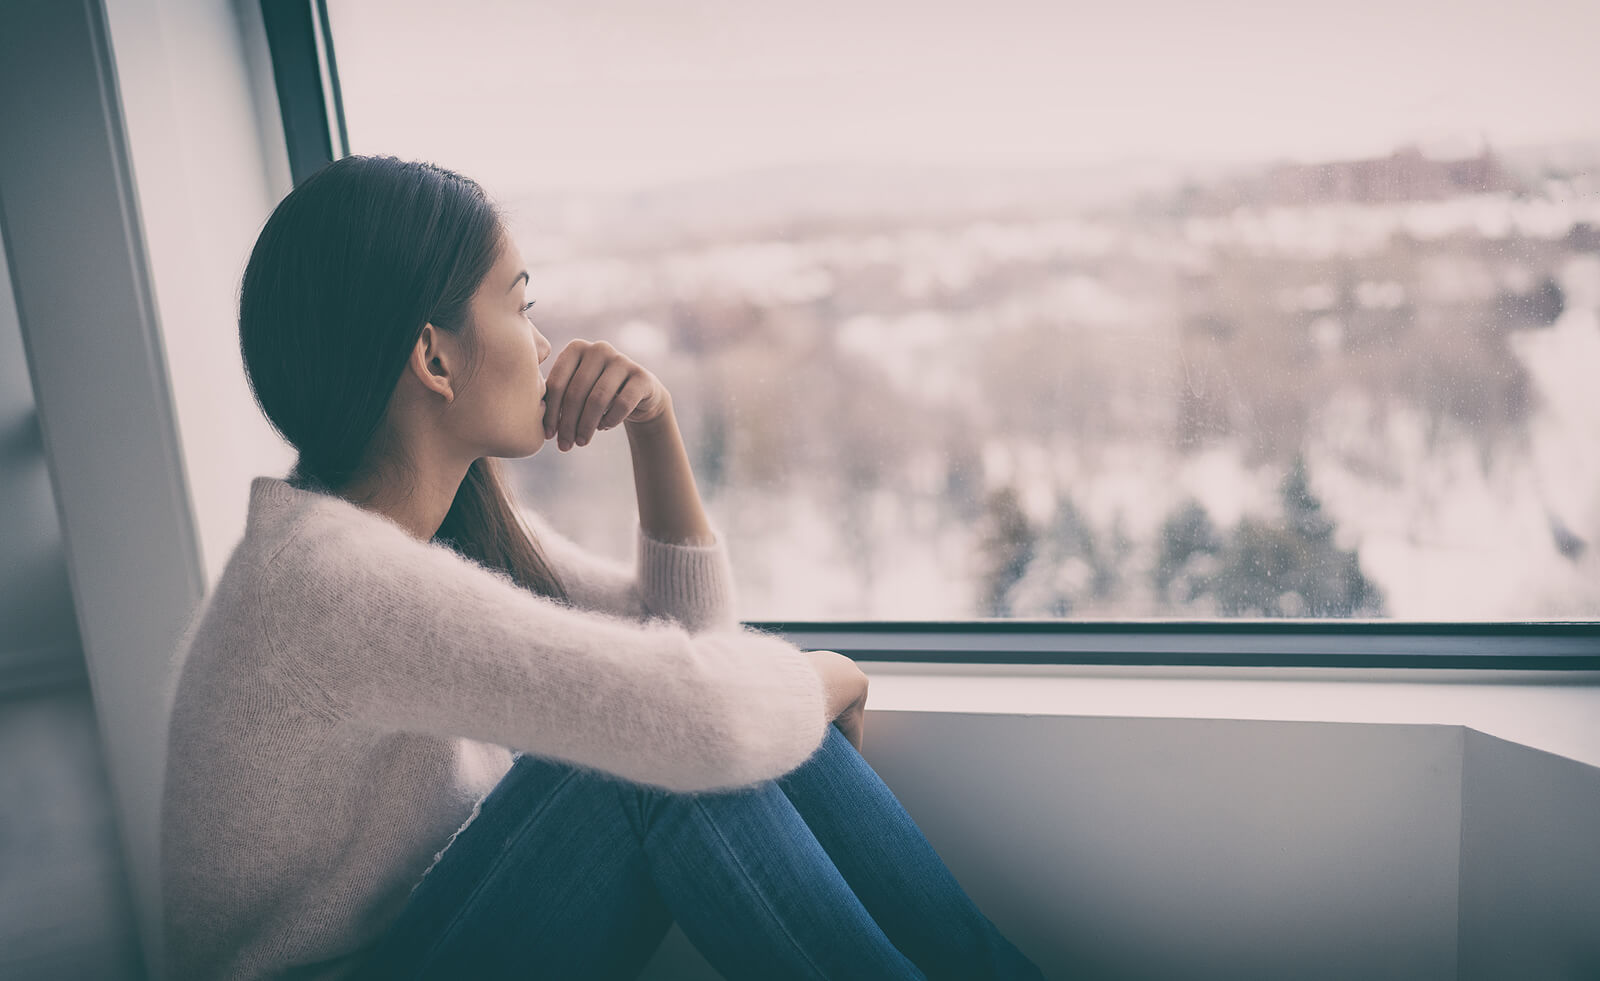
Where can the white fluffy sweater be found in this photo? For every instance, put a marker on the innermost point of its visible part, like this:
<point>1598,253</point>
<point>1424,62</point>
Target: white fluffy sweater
<point>346,694</point>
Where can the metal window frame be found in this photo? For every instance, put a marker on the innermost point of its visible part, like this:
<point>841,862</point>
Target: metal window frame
<point>306,77</point>
<point>307,81</point>
<point>1568,645</point>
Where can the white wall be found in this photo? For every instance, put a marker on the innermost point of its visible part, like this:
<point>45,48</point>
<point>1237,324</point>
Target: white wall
<point>1195,848</point>
<point>208,158</point>
<point>206,151</point>
<point>1530,864</point>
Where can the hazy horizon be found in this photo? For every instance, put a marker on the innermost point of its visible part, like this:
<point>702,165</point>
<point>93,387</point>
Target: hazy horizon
<point>627,95</point>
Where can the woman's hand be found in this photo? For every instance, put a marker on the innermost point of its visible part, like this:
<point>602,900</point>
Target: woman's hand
<point>593,386</point>
<point>845,688</point>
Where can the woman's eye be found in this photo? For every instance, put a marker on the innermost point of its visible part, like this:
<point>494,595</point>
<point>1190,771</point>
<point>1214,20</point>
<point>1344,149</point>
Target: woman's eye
<point>528,306</point>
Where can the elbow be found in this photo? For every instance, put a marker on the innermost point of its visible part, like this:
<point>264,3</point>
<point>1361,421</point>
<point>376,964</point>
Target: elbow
<point>760,708</point>
<point>766,743</point>
<point>741,764</point>
<point>769,758</point>
<point>739,750</point>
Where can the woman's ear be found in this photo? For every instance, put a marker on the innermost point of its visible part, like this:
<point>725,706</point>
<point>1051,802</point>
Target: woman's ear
<point>432,362</point>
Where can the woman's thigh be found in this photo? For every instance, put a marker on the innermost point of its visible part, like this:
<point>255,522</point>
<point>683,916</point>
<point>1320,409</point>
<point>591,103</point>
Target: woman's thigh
<point>547,880</point>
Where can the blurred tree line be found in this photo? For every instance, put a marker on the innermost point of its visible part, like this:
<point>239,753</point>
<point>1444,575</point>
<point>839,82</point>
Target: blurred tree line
<point>1284,566</point>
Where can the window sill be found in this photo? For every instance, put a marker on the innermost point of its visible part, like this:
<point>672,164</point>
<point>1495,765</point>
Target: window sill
<point>1558,712</point>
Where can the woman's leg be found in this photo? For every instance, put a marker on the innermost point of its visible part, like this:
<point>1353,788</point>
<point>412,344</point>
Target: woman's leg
<point>753,889</point>
<point>574,873</point>
<point>894,870</point>
<point>571,872</point>
<point>547,880</point>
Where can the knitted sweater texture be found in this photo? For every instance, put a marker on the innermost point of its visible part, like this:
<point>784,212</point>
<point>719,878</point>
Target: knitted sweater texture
<point>346,694</point>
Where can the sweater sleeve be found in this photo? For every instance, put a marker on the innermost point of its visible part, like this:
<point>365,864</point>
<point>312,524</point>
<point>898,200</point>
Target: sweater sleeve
<point>376,628</point>
<point>692,584</point>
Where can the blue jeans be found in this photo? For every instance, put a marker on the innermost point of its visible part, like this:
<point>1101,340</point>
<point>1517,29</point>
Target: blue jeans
<point>570,872</point>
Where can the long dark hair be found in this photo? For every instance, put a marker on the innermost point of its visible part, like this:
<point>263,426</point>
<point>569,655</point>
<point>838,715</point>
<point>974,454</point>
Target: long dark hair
<point>348,268</point>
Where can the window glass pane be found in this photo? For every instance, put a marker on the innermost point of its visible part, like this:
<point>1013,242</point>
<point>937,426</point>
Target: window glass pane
<point>1032,310</point>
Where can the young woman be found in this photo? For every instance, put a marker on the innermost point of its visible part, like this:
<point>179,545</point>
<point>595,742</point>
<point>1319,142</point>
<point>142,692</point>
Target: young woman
<point>419,733</point>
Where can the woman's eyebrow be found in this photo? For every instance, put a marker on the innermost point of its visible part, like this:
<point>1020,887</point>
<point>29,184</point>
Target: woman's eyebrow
<point>520,276</point>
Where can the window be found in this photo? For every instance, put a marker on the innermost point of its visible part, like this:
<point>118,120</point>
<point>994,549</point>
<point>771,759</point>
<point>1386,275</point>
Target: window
<point>1009,310</point>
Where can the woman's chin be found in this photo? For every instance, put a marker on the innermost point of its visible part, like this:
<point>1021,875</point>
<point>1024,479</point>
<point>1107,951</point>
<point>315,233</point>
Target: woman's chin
<point>527,447</point>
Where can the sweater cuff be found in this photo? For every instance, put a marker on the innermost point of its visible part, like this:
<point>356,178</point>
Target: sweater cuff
<point>692,584</point>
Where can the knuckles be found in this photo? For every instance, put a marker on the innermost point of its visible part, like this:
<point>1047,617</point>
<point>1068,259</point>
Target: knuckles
<point>580,346</point>
<point>605,349</point>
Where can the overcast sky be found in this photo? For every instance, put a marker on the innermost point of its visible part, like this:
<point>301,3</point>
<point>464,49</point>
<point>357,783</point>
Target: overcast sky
<point>619,94</point>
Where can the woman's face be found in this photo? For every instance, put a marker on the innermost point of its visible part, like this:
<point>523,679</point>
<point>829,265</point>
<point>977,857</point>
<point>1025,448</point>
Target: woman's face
<point>502,407</point>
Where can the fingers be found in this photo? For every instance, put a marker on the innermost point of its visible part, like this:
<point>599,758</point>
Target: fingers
<point>555,384</point>
<point>591,362</point>
<point>853,727</point>
<point>600,399</point>
<point>638,387</point>
<point>626,400</point>
<point>590,387</point>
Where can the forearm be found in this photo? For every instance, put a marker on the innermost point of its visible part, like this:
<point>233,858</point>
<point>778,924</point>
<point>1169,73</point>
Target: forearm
<point>669,503</point>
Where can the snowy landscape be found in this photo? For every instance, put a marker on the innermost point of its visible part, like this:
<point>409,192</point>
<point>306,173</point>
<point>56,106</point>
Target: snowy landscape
<point>1354,389</point>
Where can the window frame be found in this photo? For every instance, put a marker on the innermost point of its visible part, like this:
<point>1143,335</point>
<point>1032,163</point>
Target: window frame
<point>307,81</point>
<point>1325,643</point>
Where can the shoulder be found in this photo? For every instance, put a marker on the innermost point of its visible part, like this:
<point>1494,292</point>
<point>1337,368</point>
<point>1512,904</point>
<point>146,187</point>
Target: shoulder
<point>336,548</point>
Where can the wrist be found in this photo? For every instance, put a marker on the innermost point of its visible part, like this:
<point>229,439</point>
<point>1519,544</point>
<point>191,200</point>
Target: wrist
<point>662,418</point>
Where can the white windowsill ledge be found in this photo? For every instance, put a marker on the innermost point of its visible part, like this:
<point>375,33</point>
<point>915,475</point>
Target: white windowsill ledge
<point>1555,711</point>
